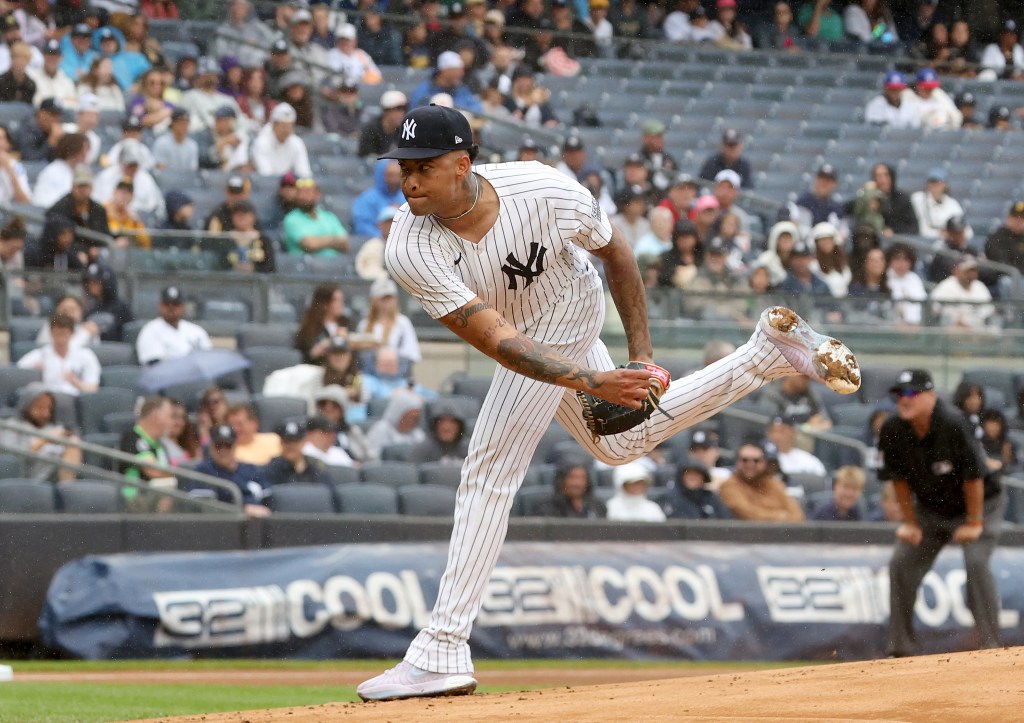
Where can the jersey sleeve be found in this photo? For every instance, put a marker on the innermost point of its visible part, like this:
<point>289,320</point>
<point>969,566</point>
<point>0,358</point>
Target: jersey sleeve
<point>595,230</point>
<point>424,269</point>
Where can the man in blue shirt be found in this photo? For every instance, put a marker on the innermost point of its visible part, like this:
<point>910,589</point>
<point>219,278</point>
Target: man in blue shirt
<point>820,201</point>
<point>76,52</point>
<point>447,79</point>
<point>220,462</point>
<point>800,279</point>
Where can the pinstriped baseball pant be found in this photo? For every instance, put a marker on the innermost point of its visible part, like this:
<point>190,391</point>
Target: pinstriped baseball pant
<point>515,414</point>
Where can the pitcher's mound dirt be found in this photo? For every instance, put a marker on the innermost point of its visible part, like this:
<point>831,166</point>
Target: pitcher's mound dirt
<point>974,686</point>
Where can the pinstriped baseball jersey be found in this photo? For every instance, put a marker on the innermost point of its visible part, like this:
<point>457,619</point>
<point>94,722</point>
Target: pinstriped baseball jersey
<point>530,266</point>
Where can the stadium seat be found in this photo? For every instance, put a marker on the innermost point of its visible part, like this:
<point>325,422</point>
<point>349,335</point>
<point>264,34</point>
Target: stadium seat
<point>441,474</point>
<point>25,496</point>
<point>529,499</point>
<point>122,376</point>
<point>112,353</point>
<point>810,483</point>
<point>118,422</point>
<point>13,380</point>
<point>275,410</point>
<point>302,497</point>
<point>88,497</point>
<point>25,328</point>
<point>92,408</point>
<point>426,500</point>
<point>392,474</point>
<point>10,466</point>
<point>395,452</point>
<point>265,360</point>
<point>109,440</point>
<point>343,475</point>
<point>280,336</point>
<point>366,499</point>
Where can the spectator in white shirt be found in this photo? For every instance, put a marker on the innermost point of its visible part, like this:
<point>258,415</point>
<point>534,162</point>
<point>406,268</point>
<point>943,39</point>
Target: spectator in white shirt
<point>891,108</point>
<point>171,336</point>
<point>963,302</point>
<point>792,460</point>
<point>65,368</point>
<point>51,81</point>
<point>54,182</point>
<point>276,150</point>
<point>934,207</point>
<point>935,109</point>
<point>86,119</point>
<point>204,100</point>
<point>630,501</point>
<point>1005,57</point>
<point>677,23</point>
<point>322,443</point>
<point>905,287</point>
<point>348,60</point>
<point>14,185</point>
<point>148,199</point>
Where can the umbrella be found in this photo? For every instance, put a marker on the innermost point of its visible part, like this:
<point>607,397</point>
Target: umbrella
<point>199,366</point>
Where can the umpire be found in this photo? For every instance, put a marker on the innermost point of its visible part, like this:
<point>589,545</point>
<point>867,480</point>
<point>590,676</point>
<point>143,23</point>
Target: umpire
<point>946,494</point>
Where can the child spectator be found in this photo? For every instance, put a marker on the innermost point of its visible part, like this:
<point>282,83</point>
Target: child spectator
<point>847,488</point>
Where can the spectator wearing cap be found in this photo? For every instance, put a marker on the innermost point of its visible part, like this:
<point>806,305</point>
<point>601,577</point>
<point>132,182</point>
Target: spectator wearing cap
<point>677,266</point>
<point>278,64</point>
<point>389,326</point>
<point>293,465</point>
<point>310,228</point>
<point>180,211</point>
<point>662,167</point>
<point>729,157</point>
<point>725,30</point>
<point>78,206</point>
<point>221,461</point>
<point>705,214</point>
<point>253,446</point>
<point>125,225</point>
<point>243,35</point>
<point>714,284</point>
<point>87,118</point>
<point>380,133</point>
<point>693,498</point>
<point>128,65</point>
<point>378,38</point>
<point>801,280</point>
<point>103,305</point>
<point>630,503</point>
<point>705,451</point>
<point>77,54</point>
<point>131,134</point>
<point>283,202</point>
<point>237,188</point>
<point>754,493</point>
<point>782,432</point>
<point>15,85</point>
<point>676,26</point>
<point>225,146</point>
<point>727,189</point>
<point>820,19</point>
<point>954,243</point>
<point>700,30</point>
<point>1005,245</point>
<point>170,335</point>
<point>680,196</point>
<point>341,110</point>
<point>935,108</point>
<point>528,150</point>
<point>934,206</point>
<point>65,367</point>
<point>961,301</point>
<point>56,178</point>
<point>634,178</point>
<point>386,191</point>
<point>967,104</point>
<point>204,100</point>
<point>897,211</point>
<point>331,403</point>
<point>448,77</point>
<point>253,250</point>
<point>601,27</point>
<point>276,149</point>
<point>174,149</point>
<point>890,109</point>
<point>830,264</point>
<point>310,57</point>
<point>50,80</point>
<point>10,33</point>
<point>322,443</point>
<point>149,104</point>
<point>1005,57</point>
<point>1000,118</point>
<point>574,157</point>
<point>905,286</point>
<point>370,258</point>
<point>820,202</point>
<point>100,81</point>
<point>148,198</point>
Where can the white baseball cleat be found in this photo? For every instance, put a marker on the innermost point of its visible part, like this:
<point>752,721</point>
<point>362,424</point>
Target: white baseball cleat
<point>408,681</point>
<point>818,356</point>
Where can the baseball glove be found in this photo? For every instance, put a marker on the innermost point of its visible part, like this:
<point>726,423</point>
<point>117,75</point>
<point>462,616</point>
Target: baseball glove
<point>604,418</point>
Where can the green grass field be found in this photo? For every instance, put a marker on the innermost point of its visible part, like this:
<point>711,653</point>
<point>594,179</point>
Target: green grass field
<point>85,702</point>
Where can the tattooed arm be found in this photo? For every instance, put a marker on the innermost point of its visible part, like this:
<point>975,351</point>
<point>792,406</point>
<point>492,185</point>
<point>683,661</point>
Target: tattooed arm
<point>490,332</point>
<point>628,293</point>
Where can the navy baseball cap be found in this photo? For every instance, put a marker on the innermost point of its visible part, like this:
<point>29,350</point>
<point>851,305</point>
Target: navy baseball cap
<point>916,380</point>
<point>431,131</point>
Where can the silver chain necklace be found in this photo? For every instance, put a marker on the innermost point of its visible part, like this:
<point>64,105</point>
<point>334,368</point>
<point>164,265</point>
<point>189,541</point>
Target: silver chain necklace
<point>476,197</point>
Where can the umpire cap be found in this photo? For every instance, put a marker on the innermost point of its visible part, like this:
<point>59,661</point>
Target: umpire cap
<point>431,131</point>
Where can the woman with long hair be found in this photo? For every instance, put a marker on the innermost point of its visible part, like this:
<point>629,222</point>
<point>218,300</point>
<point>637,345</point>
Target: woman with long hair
<point>678,265</point>
<point>830,260</point>
<point>389,326</point>
<point>182,440</point>
<point>100,81</point>
<point>255,101</point>
<point>969,398</point>
<point>905,286</point>
<point>1000,451</point>
<point>212,411</point>
<point>870,282</point>
<point>573,495</point>
<point>324,319</point>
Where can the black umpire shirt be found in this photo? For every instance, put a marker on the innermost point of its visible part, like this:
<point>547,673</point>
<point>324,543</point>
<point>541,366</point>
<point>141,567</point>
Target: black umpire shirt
<point>936,466</point>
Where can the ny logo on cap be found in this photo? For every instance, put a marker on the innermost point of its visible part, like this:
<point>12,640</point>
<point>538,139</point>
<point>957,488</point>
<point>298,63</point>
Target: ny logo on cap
<point>409,129</point>
<point>458,139</point>
<point>906,378</point>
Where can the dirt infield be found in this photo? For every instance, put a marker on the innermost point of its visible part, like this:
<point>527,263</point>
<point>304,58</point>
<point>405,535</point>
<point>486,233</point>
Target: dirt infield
<point>973,686</point>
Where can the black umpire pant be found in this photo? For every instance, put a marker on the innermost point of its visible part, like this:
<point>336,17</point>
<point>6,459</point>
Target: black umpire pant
<point>911,563</point>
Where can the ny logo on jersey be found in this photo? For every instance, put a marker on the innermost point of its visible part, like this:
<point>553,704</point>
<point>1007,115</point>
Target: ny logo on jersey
<point>409,129</point>
<point>533,267</point>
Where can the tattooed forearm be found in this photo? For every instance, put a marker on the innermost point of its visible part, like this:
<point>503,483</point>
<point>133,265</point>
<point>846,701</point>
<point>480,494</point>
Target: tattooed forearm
<point>537,361</point>
<point>461,316</point>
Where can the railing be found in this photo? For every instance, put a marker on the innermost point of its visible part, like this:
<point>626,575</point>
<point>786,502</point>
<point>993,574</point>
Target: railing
<point>94,472</point>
